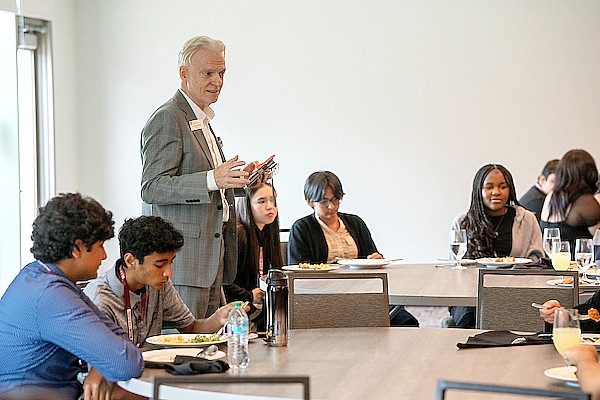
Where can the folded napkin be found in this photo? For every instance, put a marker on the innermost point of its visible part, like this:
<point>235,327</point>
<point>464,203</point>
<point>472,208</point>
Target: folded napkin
<point>187,365</point>
<point>502,339</point>
<point>540,263</point>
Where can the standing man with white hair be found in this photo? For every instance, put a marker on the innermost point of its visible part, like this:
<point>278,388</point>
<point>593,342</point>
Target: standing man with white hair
<point>187,181</point>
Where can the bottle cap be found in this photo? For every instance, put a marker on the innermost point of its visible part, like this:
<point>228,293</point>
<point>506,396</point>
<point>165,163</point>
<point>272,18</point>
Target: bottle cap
<point>277,277</point>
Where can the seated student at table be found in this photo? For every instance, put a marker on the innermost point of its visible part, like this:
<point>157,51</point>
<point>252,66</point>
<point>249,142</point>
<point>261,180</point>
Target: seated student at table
<point>139,284</point>
<point>258,248</point>
<point>327,233</point>
<point>497,226</point>
<point>533,199</point>
<point>571,206</point>
<point>48,327</point>
<point>585,358</point>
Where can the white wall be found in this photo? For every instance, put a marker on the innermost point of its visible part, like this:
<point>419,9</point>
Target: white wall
<point>403,100</point>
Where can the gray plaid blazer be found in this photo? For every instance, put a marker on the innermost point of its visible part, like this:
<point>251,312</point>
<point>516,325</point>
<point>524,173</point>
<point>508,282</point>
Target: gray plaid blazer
<point>175,161</point>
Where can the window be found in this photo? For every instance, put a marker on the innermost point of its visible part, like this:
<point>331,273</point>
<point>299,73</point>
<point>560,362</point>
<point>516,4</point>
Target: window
<point>26,134</point>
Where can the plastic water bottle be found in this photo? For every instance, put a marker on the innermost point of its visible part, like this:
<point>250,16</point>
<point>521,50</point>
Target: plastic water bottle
<point>596,242</point>
<point>237,341</point>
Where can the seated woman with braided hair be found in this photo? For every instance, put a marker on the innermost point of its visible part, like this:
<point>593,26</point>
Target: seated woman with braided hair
<point>497,226</point>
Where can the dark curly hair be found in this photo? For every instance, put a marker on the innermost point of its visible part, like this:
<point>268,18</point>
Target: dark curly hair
<point>148,234</point>
<point>576,175</point>
<point>480,231</point>
<point>65,219</point>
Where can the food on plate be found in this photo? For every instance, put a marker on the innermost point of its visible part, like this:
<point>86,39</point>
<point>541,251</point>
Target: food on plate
<point>199,338</point>
<point>313,266</point>
<point>505,259</point>
<point>569,281</point>
<point>594,314</point>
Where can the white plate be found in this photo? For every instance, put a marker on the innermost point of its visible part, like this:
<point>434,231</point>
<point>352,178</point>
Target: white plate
<point>185,340</point>
<point>296,268</point>
<point>557,282</point>
<point>158,358</point>
<point>566,374</point>
<point>592,339</point>
<point>491,262</point>
<point>593,273</point>
<point>364,263</point>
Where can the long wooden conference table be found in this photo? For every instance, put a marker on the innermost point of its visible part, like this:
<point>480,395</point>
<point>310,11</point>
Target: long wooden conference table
<point>374,363</point>
<point>434,284</point>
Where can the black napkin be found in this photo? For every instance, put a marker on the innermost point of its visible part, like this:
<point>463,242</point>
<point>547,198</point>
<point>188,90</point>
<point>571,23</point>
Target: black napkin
<point>540,263</point>
<point>188,365</point>
<point>501,339</point>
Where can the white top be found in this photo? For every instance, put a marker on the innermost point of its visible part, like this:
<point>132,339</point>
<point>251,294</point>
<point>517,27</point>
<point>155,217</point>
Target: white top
<point>339,244</point>
<point>205,117</point>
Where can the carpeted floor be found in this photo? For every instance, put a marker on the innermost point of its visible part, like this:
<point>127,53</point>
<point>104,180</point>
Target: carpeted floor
<point>428,316</point>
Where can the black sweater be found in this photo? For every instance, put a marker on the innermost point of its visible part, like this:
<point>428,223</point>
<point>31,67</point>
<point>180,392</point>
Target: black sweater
<point>307,241</point>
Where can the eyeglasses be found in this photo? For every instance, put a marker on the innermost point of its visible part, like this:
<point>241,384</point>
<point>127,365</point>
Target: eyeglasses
<point>328,202</point>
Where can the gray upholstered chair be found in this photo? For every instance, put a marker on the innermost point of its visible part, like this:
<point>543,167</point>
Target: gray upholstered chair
<point>338,300</point>
<point>504,297</point>
<point>444,386</point>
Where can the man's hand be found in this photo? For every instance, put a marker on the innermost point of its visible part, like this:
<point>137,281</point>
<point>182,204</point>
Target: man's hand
<point>375,255</point>
<point>258,296</point>
<point>547,313</point>
<point>229,175</point>
<point>95,387</point>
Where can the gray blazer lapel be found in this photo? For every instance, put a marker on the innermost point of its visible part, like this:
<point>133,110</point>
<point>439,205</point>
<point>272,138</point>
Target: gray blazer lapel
<point>190,116</point>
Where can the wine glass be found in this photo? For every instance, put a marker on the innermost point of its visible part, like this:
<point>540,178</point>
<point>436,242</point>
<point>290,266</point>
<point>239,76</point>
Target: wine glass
<point>551,235</point>
<point>566,332</point>
<point>458,244</point>
<point>583,255</point>
<point>561,255</point>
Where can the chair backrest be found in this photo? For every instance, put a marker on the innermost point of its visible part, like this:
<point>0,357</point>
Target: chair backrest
<point>229,379</point>
<point>338,300</point>
<point>284,237</point>
<point>504,297</point>
<point>443,386</point>
<point>284,256</point>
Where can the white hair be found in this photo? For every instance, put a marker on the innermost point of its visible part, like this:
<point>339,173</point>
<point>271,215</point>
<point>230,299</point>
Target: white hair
<point>198,43</point>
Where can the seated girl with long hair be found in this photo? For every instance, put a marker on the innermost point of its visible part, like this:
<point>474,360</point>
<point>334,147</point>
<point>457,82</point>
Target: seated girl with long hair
<point>258,247</point>
<point>496,225</point>
<point>571,206</point>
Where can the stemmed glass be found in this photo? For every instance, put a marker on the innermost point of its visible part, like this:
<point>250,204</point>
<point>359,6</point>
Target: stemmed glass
<point>561,255</point>
<point>583,255</point>
<point>566,332</point>
<point>458,244</point>
<point>551,236</point>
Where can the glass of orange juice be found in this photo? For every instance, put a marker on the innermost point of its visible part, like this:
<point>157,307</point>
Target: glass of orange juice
<point>561,255</point>
<point>566,332</point>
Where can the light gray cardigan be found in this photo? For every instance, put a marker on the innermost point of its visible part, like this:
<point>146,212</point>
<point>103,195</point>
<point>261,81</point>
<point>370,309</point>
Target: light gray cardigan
<point>526,234</point>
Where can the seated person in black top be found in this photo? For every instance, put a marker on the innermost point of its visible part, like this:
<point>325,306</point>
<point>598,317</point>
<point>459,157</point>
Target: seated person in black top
<point>258,248</point>
<point>327,233</point>
<point>533,200</point>
<point>571,206</point>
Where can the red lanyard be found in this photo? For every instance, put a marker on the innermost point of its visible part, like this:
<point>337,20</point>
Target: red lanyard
<point>128,304</point>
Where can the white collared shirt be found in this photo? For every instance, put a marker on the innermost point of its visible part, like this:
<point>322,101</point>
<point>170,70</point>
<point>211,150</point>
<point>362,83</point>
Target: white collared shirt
<point>339,244</point>
<point>205,117</point>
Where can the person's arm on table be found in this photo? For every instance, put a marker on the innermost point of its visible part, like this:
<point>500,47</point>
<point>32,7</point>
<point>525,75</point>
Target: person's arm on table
<point>81,328</point>
<point>210,324</point>
<point>585,358</point>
